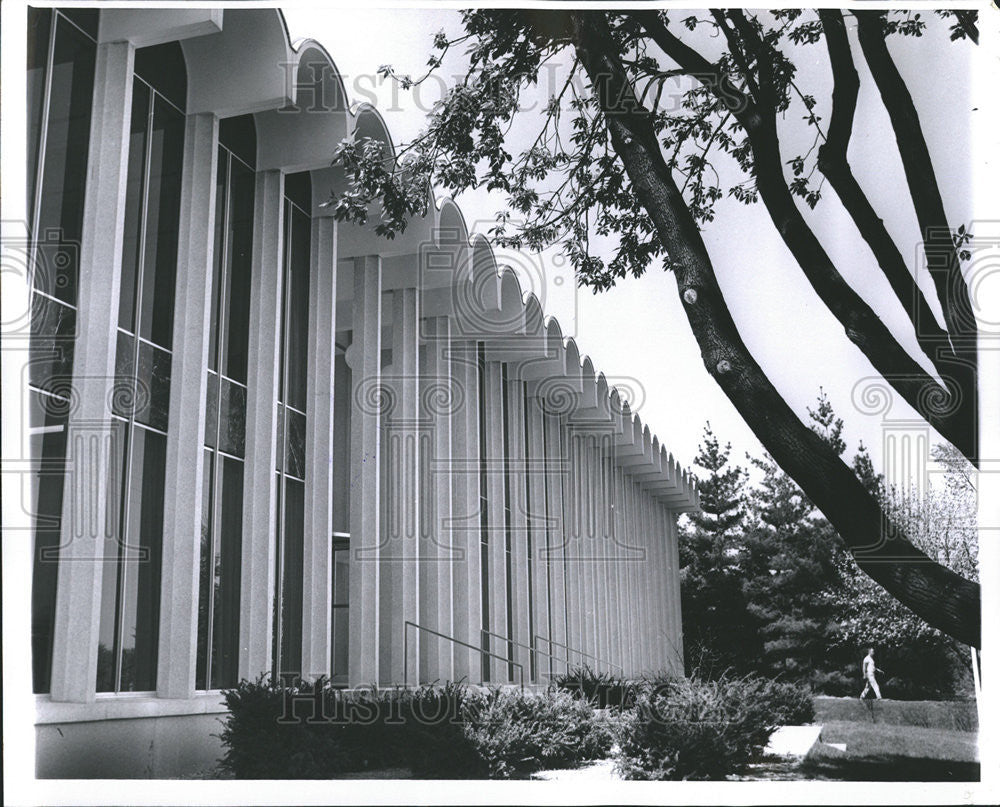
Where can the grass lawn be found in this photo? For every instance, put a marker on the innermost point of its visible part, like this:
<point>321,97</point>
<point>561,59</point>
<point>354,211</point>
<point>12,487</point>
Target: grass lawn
<point>921,741</point>
<point>955,715</point>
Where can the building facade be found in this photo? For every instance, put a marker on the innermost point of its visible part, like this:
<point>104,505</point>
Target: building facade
<point>270,444</point>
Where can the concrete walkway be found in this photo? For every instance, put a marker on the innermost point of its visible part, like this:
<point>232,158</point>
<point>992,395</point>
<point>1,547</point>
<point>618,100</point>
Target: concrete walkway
<point>792,741</point>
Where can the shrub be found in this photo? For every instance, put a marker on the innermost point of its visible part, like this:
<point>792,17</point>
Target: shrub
<point>315,731</point>
<point>787,703</point>
<point>516,734</point>
<point>602,690</point>
<point>685,729</point>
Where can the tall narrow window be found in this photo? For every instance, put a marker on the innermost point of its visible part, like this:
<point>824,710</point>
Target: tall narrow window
<point>291,470</point>
<point>130,592</point>
<point>484,521</point>
<point>225,416</point>
<point>60,83</point>
<point>340,618</point>
<point>341,593</point>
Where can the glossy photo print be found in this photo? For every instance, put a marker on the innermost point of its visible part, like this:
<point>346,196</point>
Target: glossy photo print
<point>573,403</point>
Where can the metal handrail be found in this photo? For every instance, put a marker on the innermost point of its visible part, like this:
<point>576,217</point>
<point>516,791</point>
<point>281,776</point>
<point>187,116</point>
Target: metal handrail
<point>485,632</point>
<point>551,642</point>
<point>406,650</point>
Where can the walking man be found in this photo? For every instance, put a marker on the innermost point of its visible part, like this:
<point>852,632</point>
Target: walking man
<point>868,670</point>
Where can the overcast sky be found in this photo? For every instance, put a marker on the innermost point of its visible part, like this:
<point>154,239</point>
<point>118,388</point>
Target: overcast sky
<point>637,333</point>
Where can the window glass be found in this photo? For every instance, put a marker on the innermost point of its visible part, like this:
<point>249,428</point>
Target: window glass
<point>130,612</point>
<point>227,570</point>
<point>64,163</point>
<point>49,445</point>
<point>239,135</point>
<point>297,308</point>
<point>60,85</point>
<point>232,418</point>
<point>298,189</point>
<point>39,36</point>
<point>343,384</point>
<point>85,18</point>
<point>51,352</point>
<point>240,269</point>
<point>341,614</point>
<point>134,191</point>
<point>128,633</point>
<point>206,570</point>
<point>163,67</point>
<point>166,155</point>
<point>218,256</point>
<point>289,527</point>
<point>287,639</point>
<point>225,421</point>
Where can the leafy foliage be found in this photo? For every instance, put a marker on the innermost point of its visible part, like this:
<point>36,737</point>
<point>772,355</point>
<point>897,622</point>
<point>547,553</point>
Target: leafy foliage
<point>697,729</point>
<point>601,690</point>
<point>921,660</point>
<point>767,588</point>
<point>316,731</point>
<point>516,733</point>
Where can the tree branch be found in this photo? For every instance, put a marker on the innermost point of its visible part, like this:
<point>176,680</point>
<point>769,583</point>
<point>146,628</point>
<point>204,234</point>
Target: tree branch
<point>939,248</point>
<point>862,326</point>
<point>929,589</point>
<point>832,160</point>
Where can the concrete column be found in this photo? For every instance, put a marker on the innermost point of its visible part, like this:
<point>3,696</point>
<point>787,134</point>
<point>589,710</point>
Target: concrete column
<point>611,562</point>
<point>259,488</point>
<point>463,468</point>
<point>555,539</point>
<point>650,583</point>
<point>636,566</point>
<point>89,434</point>
<point>659,587</point>
<point>590,564</point>
<point>400,558</point>
<point>537,523</point>
<point>364,358</point>
<point>496,522</point>
<point>623,537</point>
<point>621,571</point>
<point>667,589</point>
<point>519,585</point>
<point>674,591</point>
<point>664,587</point>
<point>438,398</point>
<point>317,552</point>
<point>184,467</point>
<point>599,565</point>
<point>573,530</point>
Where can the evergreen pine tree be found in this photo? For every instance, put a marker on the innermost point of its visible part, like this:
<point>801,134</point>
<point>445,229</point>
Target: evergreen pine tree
<point>790,555</point>
<point>717,629</point>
